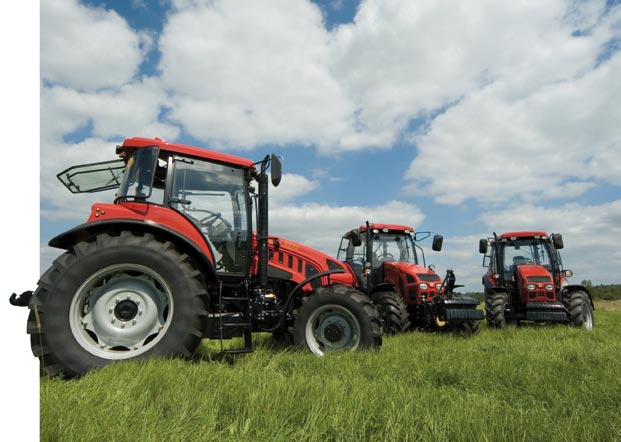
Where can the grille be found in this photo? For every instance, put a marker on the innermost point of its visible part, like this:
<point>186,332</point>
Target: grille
<point>538,279</point>
<point>427,277</point>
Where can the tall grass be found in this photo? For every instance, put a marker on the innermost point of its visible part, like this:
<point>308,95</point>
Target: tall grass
<point>548,383</point>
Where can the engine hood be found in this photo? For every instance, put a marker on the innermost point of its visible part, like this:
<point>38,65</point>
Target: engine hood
<point>531,273</point>
<point>294,261</point>
<point>418,272</point>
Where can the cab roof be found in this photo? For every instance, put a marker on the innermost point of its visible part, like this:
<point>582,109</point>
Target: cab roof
<point>524,234</point>
<point>188,150</point>
<point>389,227</point>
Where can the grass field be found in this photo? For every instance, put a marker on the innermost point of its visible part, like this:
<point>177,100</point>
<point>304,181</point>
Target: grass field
<point>538,383</point>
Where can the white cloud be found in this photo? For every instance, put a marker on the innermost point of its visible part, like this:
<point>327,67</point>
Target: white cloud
<point>129,109</point>
<point>548,144</point>
<point>245,73</point>
<point>292,185</point>
<point>88,48</point>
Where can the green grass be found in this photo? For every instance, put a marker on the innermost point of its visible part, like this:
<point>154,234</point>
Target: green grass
<point>547,383</point>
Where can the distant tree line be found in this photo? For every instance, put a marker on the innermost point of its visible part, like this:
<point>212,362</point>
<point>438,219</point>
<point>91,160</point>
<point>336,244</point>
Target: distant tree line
<point>610,292</point>
<point>603,292</point>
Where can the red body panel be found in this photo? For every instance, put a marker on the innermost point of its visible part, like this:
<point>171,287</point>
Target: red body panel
<point>152,214</point>
<point>188,150</point>
<point>395,227</point>
<point>293,258</point>
<point>523,234</point>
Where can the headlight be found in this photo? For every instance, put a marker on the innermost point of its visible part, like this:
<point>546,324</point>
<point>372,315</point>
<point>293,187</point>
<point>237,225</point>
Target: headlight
<point>438,286</point>
<point>549,287</point>
<point>530,287</point>
<point>423,286</point>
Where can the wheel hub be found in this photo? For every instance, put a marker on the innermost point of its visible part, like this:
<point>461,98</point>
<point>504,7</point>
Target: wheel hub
<point>126,310</point>
<point>334,332</point>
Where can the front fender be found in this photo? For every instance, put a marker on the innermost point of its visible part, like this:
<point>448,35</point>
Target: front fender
<point>578,287</point>
<point>88,231</point>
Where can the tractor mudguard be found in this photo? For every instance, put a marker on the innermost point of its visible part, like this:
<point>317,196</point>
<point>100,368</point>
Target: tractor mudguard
<point>89,230</point>
<point>576,287</point>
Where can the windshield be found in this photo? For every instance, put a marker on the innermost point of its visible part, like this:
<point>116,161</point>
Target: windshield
<point>387,247</point>
<point>526,251</point>
<point>140,170</point>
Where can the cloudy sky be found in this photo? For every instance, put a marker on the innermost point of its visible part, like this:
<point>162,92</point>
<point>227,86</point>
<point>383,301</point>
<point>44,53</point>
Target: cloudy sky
<point>461,118</point>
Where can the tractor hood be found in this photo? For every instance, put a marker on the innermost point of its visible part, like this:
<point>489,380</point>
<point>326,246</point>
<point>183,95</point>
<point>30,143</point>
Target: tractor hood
<point>533,274</point>
<point>417,272</point>
<point>296,262</point>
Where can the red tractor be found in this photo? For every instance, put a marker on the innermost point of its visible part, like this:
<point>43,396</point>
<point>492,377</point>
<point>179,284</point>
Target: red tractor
<point>174,259</point>
<point>385,259</point>
<point>525,281</point>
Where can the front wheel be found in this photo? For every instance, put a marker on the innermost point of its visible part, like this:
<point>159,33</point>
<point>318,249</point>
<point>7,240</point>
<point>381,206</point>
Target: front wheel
<point>496,308</point>
<point>393,312</point>
<point>336,318</point>
<point>116,298</point>
<point>580,309</point>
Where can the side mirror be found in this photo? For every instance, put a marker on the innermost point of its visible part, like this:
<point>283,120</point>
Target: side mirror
<point>436,244</point>
<point>276,170</point>
<point>557,241</point>
<point>356,240</point>
<point>483,246</point>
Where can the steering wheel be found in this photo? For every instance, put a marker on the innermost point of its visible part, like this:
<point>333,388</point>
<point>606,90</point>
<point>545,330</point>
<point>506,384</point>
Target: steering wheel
<point>387,257</point>
<point>358,262</point>
<point>211,219</point>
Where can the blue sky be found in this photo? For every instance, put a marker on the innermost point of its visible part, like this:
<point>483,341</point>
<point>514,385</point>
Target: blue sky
<point>458,119</point>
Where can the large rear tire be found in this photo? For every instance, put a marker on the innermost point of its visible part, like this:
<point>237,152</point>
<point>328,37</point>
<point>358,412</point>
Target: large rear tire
<point>580,309</point>
<point>116,298</point>
<point>393,312</point>
<point>495,310</point>
<point>336,318</point>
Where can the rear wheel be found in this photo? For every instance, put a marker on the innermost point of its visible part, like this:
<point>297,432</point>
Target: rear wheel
<point>336,318</point>
<point>392,311</point>
<point>580,309</point>
<point>116,298</point>
<point>496,307</point>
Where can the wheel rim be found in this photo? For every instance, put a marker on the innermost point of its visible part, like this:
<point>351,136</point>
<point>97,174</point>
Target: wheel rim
<point>587,316</point>
<point>332,327</point>
<point>121,311</point>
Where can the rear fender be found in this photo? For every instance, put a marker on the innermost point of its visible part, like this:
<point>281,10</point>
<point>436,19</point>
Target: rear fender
<point>89,230</point>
